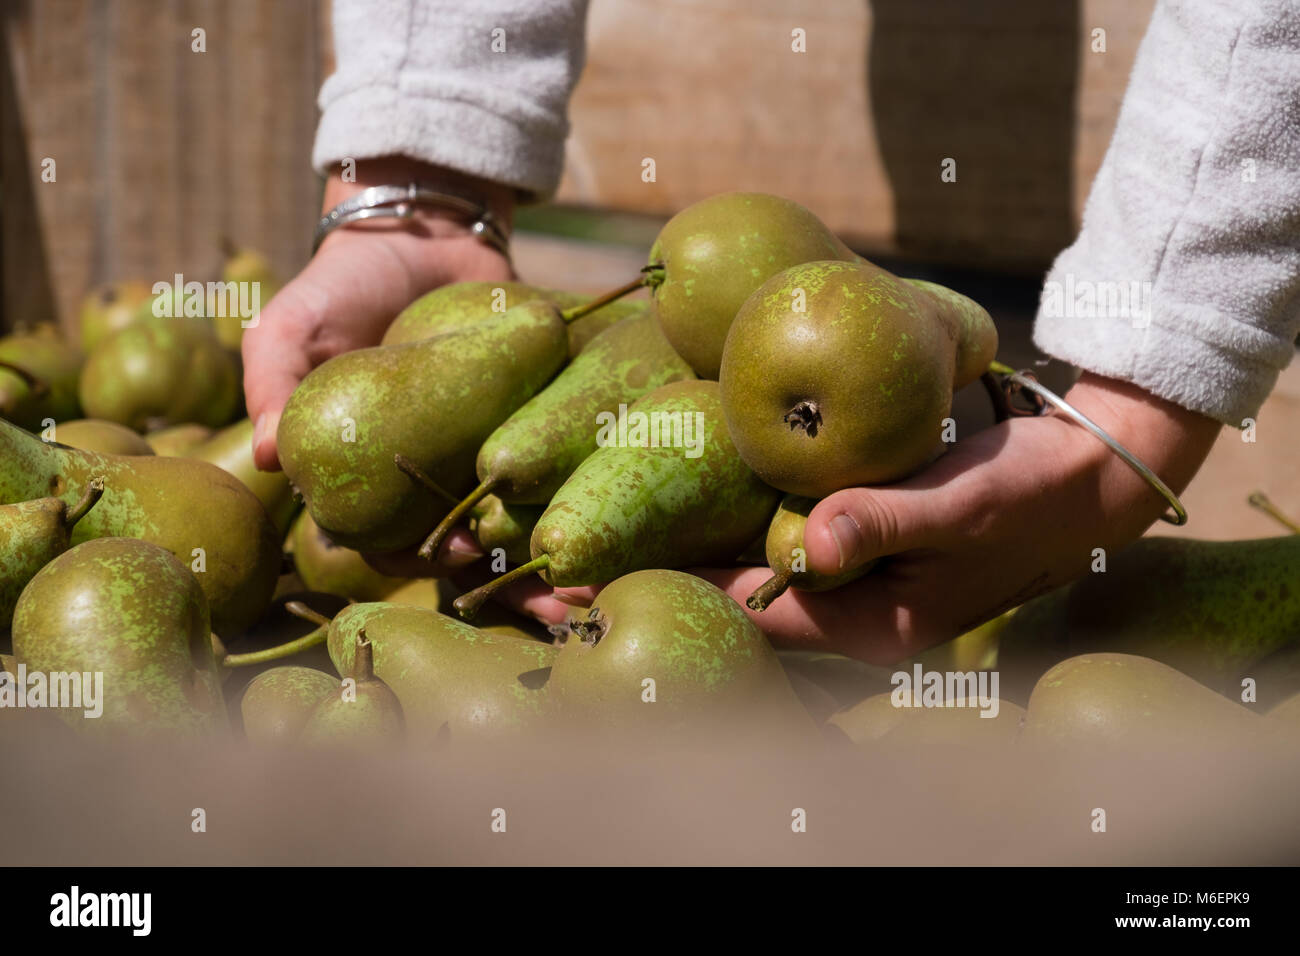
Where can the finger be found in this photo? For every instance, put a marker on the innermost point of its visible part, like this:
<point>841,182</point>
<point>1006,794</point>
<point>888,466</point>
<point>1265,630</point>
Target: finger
<point>851,527</point>
<point>859,620</point>
<point>578,597</point>
<point>275,361</point>
<point>458,551</point>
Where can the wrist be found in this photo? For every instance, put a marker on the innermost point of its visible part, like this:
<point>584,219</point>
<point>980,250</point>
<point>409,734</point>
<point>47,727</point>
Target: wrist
<point>497,198</point>
<point>1170,440</point>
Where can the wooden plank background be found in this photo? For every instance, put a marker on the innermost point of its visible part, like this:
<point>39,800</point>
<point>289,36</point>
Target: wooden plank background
<point>161,150</point>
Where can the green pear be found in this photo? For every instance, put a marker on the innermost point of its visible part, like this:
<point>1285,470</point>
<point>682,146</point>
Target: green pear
<point>665,651</point>
<point>231,450</point>
<point>110,307</point>
<point>455,306</point>
<point>244,265</point>
<point>277,703</point>
<point>32,534</point>
<point>712,255</point>
<point>1131,700</point>
<point>128,610</point>
<point>1211,609</point>
<point>177,441</point>
<point>884,720</point>
<point>196,511</point>
<point>433,402</point>
<point>536,449</point>
<point>93,434</point>
<point>422,592</point>
<point>453,681</point>
<point>788,559</point>
<point>38,378</point>
<point>161,371</point>
<point>629,507</point>
<point>363,713</point>
<point>325,566</point>
<point>839,374</point>
<point>498,525</point>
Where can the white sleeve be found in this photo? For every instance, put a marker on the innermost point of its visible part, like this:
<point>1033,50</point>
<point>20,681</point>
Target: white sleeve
<point>480,86</point>
<point>1185,278</point>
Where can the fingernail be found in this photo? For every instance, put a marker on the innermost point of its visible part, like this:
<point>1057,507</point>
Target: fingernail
<point>459,557</point>
<point>259,429</point>
<point>848,539</point>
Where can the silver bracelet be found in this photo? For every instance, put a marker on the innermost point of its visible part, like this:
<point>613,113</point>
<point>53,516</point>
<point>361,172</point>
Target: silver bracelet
<point>399,202</point>
<point>1044,396</point>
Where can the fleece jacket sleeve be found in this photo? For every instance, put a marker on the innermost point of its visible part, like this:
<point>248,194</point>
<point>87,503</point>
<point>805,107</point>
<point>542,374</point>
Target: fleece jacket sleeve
<point>480,86</point>
<point>1185,277</point>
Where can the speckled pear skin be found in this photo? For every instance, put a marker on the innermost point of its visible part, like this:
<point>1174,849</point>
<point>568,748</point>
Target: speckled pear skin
<point>175,503</point>
<point>44,354</point>
<point>977,336</point>
<point>447,673</point>
<point>710,664</point>
<point>365,717</point>
<point>464,303</point>
<point>161,371</point>
<point>629,508</point>
<point>495,524</point>
<point>539,446</point>
<point>278,702</point>
<point>715,253</point>
<point>1211,609</point>
<point>231,450</point>
<point>130,610</point>
<point>434,401</point>
<point>850,391</point>
<point>32,534</point>
<point>784,536</point>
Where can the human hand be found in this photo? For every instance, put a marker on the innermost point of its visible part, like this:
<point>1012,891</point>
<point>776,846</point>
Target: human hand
<point>1006,514</point>
<point>359,279</point>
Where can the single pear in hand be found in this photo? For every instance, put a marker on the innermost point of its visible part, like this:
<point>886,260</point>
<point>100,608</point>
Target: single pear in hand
<point>788,559</point>
<point>434,402</point>
<point>839,374</point>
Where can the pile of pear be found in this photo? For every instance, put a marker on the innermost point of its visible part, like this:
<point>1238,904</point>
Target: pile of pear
<point>217,599</point>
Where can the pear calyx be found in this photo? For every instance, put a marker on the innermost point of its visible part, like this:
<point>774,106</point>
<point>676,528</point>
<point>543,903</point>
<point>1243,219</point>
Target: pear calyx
<point>806,415</point>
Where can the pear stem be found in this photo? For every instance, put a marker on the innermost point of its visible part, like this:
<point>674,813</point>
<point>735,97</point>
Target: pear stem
<point>1261,501</point>
<point>421,477</point>
<point>92,494</point>
<point>469,603</point>
<point>578,311</point>
<point>35,383</point>
<point>769,590</point>
<point>363,663</point>
<point>300,610</point>
<point>279,651</point>
<point>429,550</point>
<point>998,368</point>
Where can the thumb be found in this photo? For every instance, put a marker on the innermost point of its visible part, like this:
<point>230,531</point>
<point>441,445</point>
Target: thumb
<point>851,527</point>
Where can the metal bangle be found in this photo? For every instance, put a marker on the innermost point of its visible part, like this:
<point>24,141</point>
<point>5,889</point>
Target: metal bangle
<point>1025,379</point>
<point>399,202</point>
